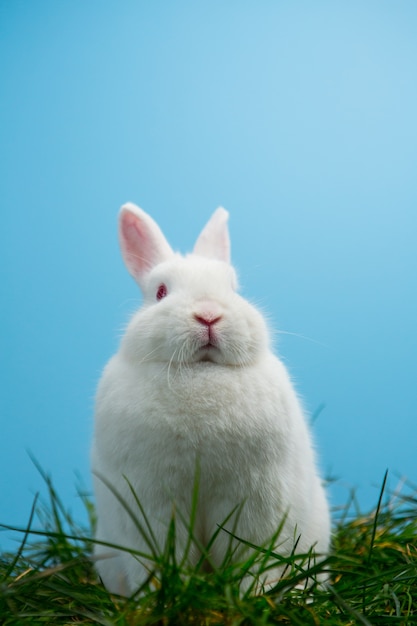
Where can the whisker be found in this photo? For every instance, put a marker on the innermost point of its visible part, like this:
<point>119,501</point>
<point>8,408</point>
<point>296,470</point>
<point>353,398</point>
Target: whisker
<point>300,336</point>
<point>169,367</point>
<point>147,356</point>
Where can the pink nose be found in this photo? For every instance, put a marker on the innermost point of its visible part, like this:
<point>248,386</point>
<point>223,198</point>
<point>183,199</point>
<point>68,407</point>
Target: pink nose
<point>206,319</point>
<point>207,313</point>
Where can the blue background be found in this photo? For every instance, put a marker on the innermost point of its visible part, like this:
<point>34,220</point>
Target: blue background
<point>300,118</point>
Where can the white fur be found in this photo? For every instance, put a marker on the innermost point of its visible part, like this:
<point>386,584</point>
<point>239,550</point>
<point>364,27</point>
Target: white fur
<point>167,401</point>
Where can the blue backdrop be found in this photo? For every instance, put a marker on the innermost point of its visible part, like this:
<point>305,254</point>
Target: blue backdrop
<point>300,118</point>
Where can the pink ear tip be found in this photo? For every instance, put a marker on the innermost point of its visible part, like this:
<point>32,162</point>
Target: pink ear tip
<point>127,218</point>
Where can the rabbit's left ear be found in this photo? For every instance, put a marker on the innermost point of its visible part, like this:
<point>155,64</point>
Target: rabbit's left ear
<point>214,241</point>
<point>142,243</point>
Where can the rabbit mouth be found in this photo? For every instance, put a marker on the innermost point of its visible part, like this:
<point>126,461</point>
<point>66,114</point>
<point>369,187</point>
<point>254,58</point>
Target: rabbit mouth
<point>208,352</point>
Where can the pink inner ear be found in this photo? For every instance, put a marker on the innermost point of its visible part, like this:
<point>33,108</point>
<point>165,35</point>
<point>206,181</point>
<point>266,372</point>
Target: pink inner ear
<point>134,244</point>
<point>142,242</point>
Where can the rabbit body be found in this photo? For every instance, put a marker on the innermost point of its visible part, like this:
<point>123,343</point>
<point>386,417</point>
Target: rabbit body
<point>195,383</point>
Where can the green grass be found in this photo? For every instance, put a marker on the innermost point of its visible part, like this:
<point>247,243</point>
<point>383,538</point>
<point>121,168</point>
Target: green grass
<point>372,568</point>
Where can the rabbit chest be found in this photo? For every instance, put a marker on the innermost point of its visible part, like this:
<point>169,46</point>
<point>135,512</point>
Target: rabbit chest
<point>235,422</point>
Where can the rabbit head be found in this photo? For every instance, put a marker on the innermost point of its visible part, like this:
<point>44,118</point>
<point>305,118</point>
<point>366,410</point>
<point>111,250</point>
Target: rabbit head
<point>192,312</point>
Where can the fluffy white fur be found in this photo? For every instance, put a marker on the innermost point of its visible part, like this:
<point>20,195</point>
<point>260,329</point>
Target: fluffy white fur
<point>195,382</point>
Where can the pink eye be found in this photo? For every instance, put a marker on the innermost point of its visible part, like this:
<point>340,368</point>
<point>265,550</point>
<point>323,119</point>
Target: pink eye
<point>161,292</point>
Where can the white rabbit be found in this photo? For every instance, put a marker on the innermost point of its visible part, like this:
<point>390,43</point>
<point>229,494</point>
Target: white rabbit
<point>195,383</point>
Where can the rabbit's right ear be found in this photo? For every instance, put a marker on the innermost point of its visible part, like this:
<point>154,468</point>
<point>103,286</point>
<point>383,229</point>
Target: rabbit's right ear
<point>142,242</point>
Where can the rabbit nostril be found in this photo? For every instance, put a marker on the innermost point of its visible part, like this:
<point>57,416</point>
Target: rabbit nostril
<point>207,320</point>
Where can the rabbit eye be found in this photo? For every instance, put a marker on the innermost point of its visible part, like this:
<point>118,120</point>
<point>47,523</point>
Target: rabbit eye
<point>161,292</point>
